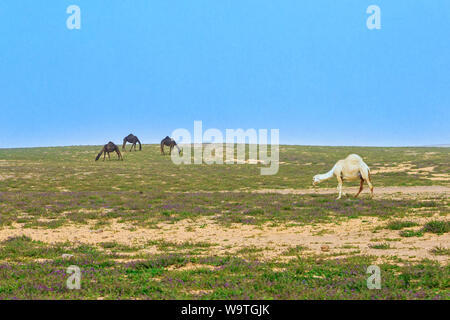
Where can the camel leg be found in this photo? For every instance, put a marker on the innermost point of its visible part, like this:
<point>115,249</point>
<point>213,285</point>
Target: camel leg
<point>339,188</point>
<point>109,156</point>
<point>365,174</point>
<point>371,187</point>
<point>361,186</point>
<point>104,155</point>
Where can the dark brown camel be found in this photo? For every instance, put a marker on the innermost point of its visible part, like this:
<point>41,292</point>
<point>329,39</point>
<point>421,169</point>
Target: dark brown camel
<point>131,139</point>
<point>169,142</point>
<point>107,148</point>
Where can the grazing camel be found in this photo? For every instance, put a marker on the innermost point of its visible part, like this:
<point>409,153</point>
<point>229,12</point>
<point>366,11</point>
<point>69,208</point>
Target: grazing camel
<point>131,139</point>
<point>167,141</point>
<point>351,168</point>
<point>107,148</point>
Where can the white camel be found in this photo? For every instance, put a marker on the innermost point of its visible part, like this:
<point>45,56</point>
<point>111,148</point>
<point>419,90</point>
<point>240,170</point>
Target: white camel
<point>351,168</point>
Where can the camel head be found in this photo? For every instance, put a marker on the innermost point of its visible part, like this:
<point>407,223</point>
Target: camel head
<point>316,180</point>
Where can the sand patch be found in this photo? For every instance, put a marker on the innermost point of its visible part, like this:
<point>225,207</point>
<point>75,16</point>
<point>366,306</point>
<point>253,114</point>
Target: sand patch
<point>248,161</point>
<point>351,190</point>
<point>191,266</point>
<point>200,292</point>
<point>407,167</point>
<point>425,169</point>
<point>440,177</point>
<point>5,177</point>
<point>354,236</point>
<point>402,167</point>
<point>378,191</point>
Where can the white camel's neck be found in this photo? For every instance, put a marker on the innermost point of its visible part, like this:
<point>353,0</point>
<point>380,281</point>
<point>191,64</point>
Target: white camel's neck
<point>326,176</point>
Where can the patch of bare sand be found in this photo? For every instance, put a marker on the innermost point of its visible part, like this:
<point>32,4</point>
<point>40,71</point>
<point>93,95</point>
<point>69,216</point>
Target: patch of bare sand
<point>191,266</point>
<point>247,161</point>
<point>346,238</point>
<point>402,167</point>
<point>377,190</point>
<point>62,189</point>
<point>407,167</point>
<point>424,169</point>
<point>440,177</point>
<point>5,177</point>
<point>199,292</point>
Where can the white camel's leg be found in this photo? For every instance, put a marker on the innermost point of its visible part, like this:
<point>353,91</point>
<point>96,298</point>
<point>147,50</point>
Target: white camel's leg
<point>339,187</point>
<point>339,190</point>
<point>365,174</point>
<point>361,186</point>
<point>371,187</point>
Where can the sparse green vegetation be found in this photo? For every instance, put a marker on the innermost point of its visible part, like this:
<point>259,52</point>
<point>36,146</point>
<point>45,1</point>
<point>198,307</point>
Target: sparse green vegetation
<point>411,233</point>
<point>382,246</point>
<point>48,189</point>
<point>212,277</point>
<point>440,251</point>
<point>397,225</point>
<point>437,227</point>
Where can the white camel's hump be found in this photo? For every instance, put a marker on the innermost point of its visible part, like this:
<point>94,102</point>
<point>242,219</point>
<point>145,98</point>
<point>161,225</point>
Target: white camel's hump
<point>353,158</point>
<point>352,164</point>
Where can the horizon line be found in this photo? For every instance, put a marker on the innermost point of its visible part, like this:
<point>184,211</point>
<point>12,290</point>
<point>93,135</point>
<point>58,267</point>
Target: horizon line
<point>441,145</point>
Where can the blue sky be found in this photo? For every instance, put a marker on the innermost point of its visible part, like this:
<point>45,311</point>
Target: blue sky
<point>310,68</point>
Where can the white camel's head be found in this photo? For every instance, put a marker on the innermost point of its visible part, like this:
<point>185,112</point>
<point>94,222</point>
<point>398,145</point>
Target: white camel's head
<point>316,180</point>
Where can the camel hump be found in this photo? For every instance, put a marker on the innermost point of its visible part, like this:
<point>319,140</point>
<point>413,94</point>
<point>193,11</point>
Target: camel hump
<point>354,157</point>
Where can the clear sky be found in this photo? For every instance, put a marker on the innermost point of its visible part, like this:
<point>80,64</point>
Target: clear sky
<point>311,69</point>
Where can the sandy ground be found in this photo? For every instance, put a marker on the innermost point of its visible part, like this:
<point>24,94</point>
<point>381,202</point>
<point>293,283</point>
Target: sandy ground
<point>352,190</point>
<point>379,192</point>
<point>352,236</point>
